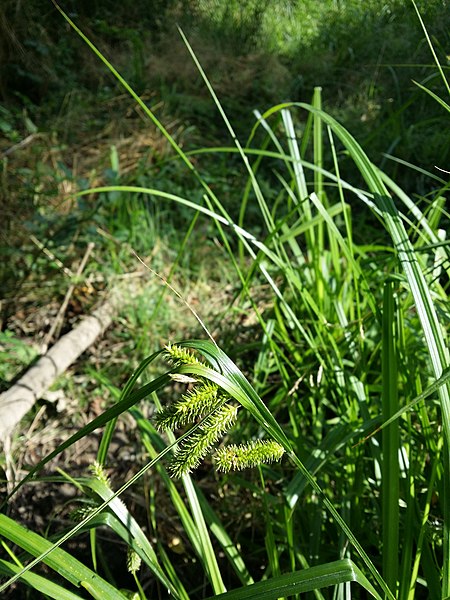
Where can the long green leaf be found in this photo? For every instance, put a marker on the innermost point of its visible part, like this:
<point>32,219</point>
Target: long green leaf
<point>390,443</point>
<point>436,60</point>
<point>39,583</point>
<point>118,508</point>
<point>60,561</point>
<point>434,96</point>
<point>208,555</point>
<point>303,581</point>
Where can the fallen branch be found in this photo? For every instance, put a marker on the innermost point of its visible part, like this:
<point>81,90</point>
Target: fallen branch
<point>18,400</point>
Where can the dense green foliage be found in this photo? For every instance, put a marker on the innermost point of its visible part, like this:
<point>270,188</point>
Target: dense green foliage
<point>330,267</point>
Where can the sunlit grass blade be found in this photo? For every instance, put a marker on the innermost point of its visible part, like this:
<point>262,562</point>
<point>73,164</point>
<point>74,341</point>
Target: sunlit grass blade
<point>296,159</point>
<point>41,584</point>
<point>422,226</point>
<point>141,543</point>
<point>390,442</point>
<point>318,144</point>
<point>434,96</point>
<point>302,581</point>
<point>432,389</point>
<point>345,248</point>
<point>436,60</point>
<point>255,184</point>
<point>208,555</point>
<point>60,561</point>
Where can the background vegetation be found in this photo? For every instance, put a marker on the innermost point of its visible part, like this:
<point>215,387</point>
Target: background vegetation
<point>320,268</point>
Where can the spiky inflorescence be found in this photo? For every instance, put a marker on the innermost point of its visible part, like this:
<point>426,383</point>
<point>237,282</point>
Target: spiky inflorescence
<point>195,447</point>
<point>193,405</point>
<point>134,561</point>
<point>206,398</point>
<point>240,457</point>
<point>81,513</point>
<point>180,356</point>
<point>99,472</point>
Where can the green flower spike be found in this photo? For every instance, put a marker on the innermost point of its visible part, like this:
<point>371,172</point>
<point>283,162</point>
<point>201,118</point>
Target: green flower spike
<point>194,448</point>
<point>97,469</point>
<point>134,561</point>
<point>81,513</point>
<point>193,405</point>
<point>206,401</point>
<point>180,356</point>
<point>244,456</point>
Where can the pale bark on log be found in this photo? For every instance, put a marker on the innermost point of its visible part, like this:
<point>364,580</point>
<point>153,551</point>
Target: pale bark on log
<point>17,401</point>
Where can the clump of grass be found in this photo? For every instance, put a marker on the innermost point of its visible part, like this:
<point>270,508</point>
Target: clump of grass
<point>351,339</point>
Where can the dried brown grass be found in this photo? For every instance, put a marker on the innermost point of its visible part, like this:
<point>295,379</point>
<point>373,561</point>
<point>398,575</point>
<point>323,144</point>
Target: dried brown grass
<point>231,74</point>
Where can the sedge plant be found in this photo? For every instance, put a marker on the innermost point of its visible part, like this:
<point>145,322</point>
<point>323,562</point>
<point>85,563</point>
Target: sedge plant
<point>354,341</point>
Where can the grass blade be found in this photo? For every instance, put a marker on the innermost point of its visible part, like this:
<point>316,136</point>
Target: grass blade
<point>390,443</point>
<point>39,583</point>
<point>303,581</point>
<point>58,560</point>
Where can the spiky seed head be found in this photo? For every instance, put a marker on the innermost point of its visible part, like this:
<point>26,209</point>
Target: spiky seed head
<point>193,405</point>
<point>194,448</point>
<point>81,513</point>
<point>134,561</point>
<point>99,472</point>
<point>180,356</point>
<point>244,456</point>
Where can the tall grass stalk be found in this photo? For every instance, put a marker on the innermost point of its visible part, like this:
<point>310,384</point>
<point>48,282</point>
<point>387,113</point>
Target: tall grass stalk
<point>390,442</point>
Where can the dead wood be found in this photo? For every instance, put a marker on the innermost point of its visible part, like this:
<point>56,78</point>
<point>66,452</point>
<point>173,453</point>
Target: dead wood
<point>18,400</point>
